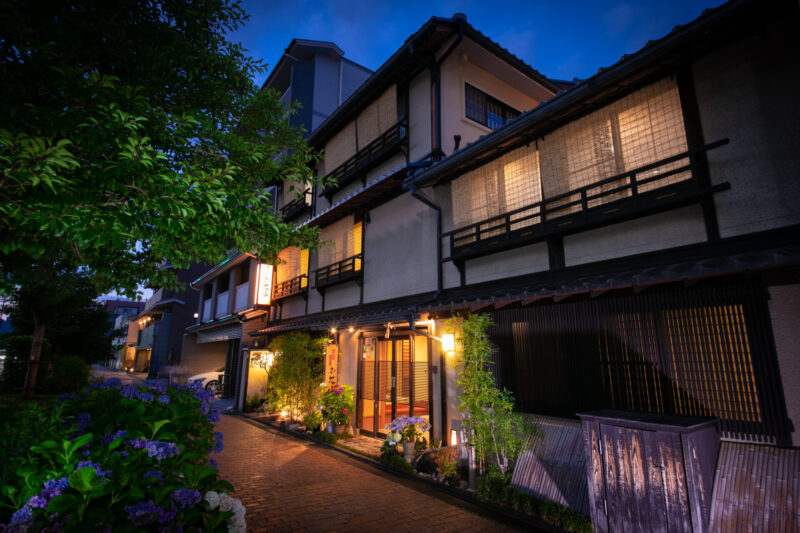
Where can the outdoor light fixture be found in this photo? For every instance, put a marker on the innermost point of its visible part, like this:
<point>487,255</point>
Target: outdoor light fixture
<point>449,342</point>
<point>196,315</point>
<point>453,437</point>
<point>333,330</point>
<point>351,329</point>
<point>284,414</point>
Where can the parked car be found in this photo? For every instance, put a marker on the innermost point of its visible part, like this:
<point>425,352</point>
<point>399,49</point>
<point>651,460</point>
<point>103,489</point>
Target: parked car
<point>212,380</point>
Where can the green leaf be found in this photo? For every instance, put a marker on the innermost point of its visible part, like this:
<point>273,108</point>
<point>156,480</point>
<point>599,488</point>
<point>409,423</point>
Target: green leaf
<point>83,479</point>
<point>63,504</point>
<point>158,425</point>
<point>83,440</point>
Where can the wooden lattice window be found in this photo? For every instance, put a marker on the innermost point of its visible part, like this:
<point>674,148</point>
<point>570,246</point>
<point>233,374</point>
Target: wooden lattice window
<point>341,240</point>
<point>293,262</point>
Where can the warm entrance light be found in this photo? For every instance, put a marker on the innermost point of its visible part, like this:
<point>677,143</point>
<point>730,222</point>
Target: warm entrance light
<point>333,330</point>
<point>449,342</point>
<point>350,329</point>
<point>453,437</point>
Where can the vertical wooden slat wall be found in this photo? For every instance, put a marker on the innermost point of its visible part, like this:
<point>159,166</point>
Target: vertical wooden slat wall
<point>703,352</point>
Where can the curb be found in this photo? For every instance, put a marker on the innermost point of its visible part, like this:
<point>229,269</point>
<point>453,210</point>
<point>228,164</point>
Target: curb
<point>490,510</point>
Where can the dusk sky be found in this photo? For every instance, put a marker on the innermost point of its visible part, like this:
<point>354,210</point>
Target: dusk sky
<point>562,40</point>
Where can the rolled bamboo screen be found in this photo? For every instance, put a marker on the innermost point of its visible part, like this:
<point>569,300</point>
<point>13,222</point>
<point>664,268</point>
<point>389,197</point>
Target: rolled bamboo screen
<point>340,148</point>
<point>641,128</point>
<point>377,117</point>
<point>341,240</point>
<point>290,265</point>
<point>507,183</point>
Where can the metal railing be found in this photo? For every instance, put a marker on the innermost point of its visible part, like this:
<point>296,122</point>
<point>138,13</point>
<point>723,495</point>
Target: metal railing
<point>240,303</point>
<point>343,270</point>
<point>365,158</point>
<point>222,304</point>
<point>593,199</point>
<point>297,206</point>
<point>290,287</point>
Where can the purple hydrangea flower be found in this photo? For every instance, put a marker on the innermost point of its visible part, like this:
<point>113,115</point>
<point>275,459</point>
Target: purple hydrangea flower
<point>142,512</point>
<point>109,437</point>
<point>218,444</point>
<point>129,392</point>
<point>54,487</point>
<point>36,502</point>
<point>64,397</point>
<point>153,475</point>
<point>159,387</point>
<point>83,421</point>
<point>163,399</point>
<point>145,397</point>
<point>186,497</point>
<point>24,514</point>
<point>213,416</point>
<point>161,450</point>
<point>98,470</point>
<point>164,515</point>
<point>212,463</point>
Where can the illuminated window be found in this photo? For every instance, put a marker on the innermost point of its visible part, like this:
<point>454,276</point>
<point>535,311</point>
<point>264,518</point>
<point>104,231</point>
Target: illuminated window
<point>341,240</point>
<point>485,110</point>
<point>293,264</point>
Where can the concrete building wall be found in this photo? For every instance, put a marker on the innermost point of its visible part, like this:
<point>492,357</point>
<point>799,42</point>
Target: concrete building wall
<point>655,232</point>
<point>293,306</point>
<point>785,313</point>
<point>516,262</point>
<point>343,295</point>
<point>202,357</point>
<point>352,77</point>
<point>400,256</point>
<point>747,92</point>
<point>326,89</point>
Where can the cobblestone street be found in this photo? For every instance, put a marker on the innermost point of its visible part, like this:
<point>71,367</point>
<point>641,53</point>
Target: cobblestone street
<point>290,485</point>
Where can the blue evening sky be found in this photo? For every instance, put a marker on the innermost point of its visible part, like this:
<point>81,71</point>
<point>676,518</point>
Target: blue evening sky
<point>562,40</point>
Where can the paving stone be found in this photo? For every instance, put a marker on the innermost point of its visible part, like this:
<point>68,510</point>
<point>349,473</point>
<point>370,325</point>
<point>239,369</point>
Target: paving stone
<point>290,485</point>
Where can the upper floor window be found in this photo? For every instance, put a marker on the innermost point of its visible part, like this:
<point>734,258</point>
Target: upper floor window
<point>485,110</point>
<point>342,240</point>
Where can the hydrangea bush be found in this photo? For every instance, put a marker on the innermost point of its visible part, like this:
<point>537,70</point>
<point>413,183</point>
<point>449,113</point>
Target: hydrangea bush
<point>409,427</point>
<point>336,403</point>
<point>136,458</point>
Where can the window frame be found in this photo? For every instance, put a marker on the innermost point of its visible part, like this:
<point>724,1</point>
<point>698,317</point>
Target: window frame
<point>508,112</point>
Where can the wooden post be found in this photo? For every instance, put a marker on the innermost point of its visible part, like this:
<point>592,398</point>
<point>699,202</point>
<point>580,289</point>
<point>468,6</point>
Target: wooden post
<point>33,361</point>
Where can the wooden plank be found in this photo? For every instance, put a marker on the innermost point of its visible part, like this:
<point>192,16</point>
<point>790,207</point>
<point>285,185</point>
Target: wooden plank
<point>655,484</point>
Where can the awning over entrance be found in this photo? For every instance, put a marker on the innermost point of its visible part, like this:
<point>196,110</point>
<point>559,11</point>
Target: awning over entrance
<point>224,330</point>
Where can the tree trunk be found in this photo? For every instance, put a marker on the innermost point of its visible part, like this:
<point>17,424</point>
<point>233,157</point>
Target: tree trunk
<point>33,361</point>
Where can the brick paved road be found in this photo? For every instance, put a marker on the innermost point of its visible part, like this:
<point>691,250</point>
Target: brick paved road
<point>291,485</point>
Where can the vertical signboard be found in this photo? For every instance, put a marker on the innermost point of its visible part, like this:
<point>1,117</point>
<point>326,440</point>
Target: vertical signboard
<point>263,294</point>
<point>331,364</point>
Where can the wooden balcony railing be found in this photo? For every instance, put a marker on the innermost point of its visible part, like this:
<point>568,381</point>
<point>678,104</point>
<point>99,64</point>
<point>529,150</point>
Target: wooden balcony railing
<point>290,287</point>
<point>339,272</point>
<point>296,207</point>
<point>366,159</point>
<point>633,193</point>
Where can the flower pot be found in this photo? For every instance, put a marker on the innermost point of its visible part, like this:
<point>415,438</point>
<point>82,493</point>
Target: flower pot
<point>409,450</point>
<point>337,429</point>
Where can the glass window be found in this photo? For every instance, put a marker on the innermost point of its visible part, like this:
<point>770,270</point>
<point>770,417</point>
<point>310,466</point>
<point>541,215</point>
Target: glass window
<point>485,110</point>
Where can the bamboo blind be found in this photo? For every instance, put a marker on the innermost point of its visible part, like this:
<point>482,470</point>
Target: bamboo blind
<point>377,117</point>
<point>641,128</point>
<point>342,239</point>
<point>341,147</point>
<point>505,184</point>
<point>293,262</point>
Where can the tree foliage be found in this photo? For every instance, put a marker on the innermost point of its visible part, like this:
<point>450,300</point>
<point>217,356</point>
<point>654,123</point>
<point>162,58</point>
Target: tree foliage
<point>297,372</point>
<point>495,430</point>
<point>131,133</point>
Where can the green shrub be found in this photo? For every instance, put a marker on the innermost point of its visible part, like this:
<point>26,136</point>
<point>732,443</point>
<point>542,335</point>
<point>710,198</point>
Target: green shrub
<point>22,428</point>
<point>68,374</point>
<point>313,420</point>
<point>396,462</point>
<point>324,436</point>
<point>493,484</point>
<point>254,403</point>
<point>296,373</point>
<point>131,459</point>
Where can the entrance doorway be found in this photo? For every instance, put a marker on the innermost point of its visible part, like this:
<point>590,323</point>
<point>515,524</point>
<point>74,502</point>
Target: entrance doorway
<point>393,381</point>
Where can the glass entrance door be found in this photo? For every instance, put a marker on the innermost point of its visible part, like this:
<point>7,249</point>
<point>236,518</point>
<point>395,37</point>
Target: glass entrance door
<point>390,376</point>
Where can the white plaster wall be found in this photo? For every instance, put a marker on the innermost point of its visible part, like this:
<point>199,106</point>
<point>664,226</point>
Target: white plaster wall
<point>516,262</point>
<point>419,115</point>
<point>655,232</point>
<point>387,167</point>
<point>462,66</point>
<point>343,295</point>
<point>400,250</point>
<point>784,309</point>
<point>293,306</point>
<point>204,357</point>
<point>747,92</point>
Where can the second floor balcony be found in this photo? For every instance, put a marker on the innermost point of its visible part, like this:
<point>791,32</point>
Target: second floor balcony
<point>222,305</point>
<point>348,269</point>
<point>664,184</point>
<point>366,159</point>
<point>290,287</point>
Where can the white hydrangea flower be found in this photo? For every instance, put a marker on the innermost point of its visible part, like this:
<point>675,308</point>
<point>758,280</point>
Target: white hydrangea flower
<point>211,499</point>
<point>238,508</point>
<point>236,525</point>
<point>225,503</point>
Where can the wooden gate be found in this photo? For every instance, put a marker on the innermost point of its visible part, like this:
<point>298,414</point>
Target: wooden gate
<point>649,472</point>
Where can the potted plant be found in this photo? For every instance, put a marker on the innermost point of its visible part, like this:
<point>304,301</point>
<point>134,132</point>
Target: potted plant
<point>336,404</point>
<point>409,427</point>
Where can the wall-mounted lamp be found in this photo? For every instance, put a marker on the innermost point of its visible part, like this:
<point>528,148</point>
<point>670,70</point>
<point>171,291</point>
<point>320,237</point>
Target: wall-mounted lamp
<point>453,437</point>
<point>351,329</point>
<point>333,330</point>
<point>449,342</point>
<point>196,315</point>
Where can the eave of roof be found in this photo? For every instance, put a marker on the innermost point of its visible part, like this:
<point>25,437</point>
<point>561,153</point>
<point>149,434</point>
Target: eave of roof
<point>655,59</point>
<point>427,40</point>
<point>230,262</point>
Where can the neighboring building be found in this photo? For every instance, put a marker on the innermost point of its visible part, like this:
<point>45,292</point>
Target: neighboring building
<point>315,74</point>
<point>122,307</point>
<point>120,310</point>
<point>635,238</point>
<point>161,325</point>
<point>125,343</point>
